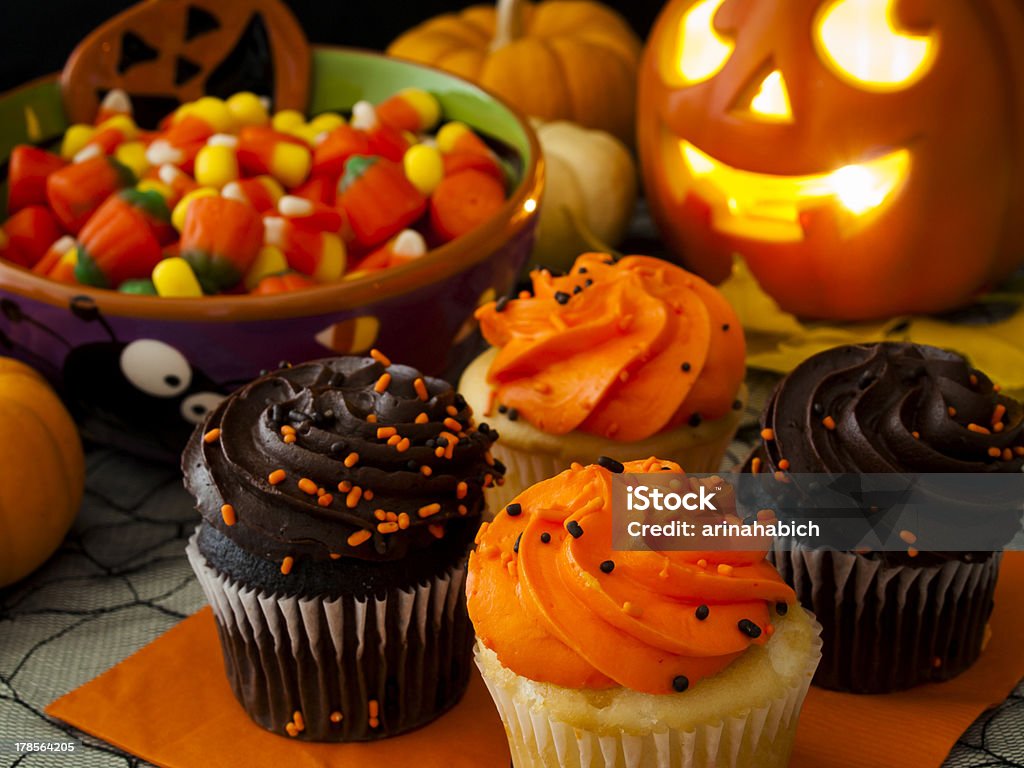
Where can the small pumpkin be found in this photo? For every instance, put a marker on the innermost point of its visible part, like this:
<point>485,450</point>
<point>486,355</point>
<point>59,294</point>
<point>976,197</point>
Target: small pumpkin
<point>557,60</point>
<point>42,471</point>
<point>589,193</point>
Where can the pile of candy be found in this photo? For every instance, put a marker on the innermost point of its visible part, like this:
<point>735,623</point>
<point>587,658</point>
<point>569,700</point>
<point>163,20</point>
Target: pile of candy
<point>227,198</point>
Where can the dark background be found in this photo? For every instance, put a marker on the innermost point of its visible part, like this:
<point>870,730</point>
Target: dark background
<point>36,36</point>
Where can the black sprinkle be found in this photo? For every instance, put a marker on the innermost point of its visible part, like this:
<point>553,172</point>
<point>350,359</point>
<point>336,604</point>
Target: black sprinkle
<point>562,297</point>
<point>515,547</point>
<point>574,528</point>
<point>514,510</point>
<point>277,413</point>
<point>577,289</point>
<point>294,415</point>
<point>460,401</point>
<point>513,414</point>
<point>695,419</point>
<point>337,447</point>
<point>500,304</point>
<point>483,428</point>
<point>284,364</point>
<point>702,612</point>
<point>610,464</point>
<point>499,466</point>
<point>666,469</point>
<point>781,608</point>
<point>430,443</point>
<point>582,270</point>
<point>680,683</point>
<point>441,442</point>
<point>725,326</point>
<point>607,566</point>
<point>737,405</point>
<point>817,409</point>
<point>686,367</point>
<point>502,408</point>
<point>545,537</point>
<point>264,371</point>
<point>749,628</point>
<point>412,466</point>
<point>589,282</point>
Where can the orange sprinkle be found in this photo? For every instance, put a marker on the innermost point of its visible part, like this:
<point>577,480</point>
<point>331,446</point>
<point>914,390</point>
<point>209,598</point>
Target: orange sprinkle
<point>725,569</point>
<point>403,445</point>
<point>299,721</point>
<point>211,436</point>
<point>908,536</point>
<point>286,565</point>
<point>291,730</point>
<point>392,517</point>
<point>422,418</point>
<point>1007,454</point>
<point>394,440</point>
<point>461,490</point>
<point>426,471</point>
<point>351,459</point>
<point>972,427</point>
<point>974,380</point>
<point>289,439</point>
<point>287,429</point>
<point>780,476</point>
<point>916,434</point>
<point>307,486</point>
<point>358,538</point>
<point>951,411</point>
<point>463,510</point>
<point>353,497</point>
<point>371,418</point>
<point>702,563</point>
<point>439,452</point>
<point>368,494</point>
<point>227,513</point>
<point>336,717</point>
<point>380,357</point>
<point>994,452</point>
<point>385,432</point>
<point>783,464</point>
<point>421,389</point>
<point>429,509</point>
<point>998,427</point>
<point>325,500</point>
<point>912,551</point>
<point>767,434</point>
<point>997,387</point>
<point>437,531</point>
<point>403,520</point>
<point>1019,450</point>
<point>382,383</point>
<point>380,514</point>
<point>345,486</point>
<point>387,527</point>
<point>452,424</point>
<point>829,423</point>
<point>451,410</point>
<point>277,476</point>
<point>998,413</point>
<point>335,555</point>
<point>755,465</point>
<point>373,708</point>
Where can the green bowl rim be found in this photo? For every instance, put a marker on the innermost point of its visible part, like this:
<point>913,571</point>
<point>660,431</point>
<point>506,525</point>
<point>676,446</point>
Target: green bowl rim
<point>435,266</point>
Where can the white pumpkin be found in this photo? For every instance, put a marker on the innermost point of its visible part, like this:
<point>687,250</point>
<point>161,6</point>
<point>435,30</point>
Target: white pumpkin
<point>590,190</point>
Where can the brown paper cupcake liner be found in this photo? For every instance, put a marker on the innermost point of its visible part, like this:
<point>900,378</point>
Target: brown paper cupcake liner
<point>353,670</point>
<point>891,627</point>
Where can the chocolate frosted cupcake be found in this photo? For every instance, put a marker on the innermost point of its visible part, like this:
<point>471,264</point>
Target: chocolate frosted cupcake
<point>339,499</point>
<point>891,620</point>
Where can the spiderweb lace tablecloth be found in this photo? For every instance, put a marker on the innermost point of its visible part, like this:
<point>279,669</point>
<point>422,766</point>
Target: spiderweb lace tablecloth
<point>121,579</point>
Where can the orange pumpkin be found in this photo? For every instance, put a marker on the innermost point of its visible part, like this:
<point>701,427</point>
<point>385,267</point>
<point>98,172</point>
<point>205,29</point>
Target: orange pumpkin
<point>42,471</point>
<point>556,60</point>
<point>863,156</point>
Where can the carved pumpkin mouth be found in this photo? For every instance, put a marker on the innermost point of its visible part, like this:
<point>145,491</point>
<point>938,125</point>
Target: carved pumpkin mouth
<point>766,207</point>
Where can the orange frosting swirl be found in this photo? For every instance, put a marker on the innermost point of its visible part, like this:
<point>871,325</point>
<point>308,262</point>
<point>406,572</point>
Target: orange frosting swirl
<point>623,349</point>
<point>555,605</point>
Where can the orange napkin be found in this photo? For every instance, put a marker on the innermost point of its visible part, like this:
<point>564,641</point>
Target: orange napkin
<point>170,703</point>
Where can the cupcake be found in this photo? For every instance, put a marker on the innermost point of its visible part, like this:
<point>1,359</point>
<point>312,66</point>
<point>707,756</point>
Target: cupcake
<point>632,357</point>
<point>597,658</point>
<point>338,500</point>
<point>891,619</point>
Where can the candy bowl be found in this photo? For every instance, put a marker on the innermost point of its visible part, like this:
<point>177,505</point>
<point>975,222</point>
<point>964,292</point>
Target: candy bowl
<point>139,371</point>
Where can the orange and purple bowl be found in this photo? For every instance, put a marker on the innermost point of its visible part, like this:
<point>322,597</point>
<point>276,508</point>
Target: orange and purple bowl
<point>140,371</point>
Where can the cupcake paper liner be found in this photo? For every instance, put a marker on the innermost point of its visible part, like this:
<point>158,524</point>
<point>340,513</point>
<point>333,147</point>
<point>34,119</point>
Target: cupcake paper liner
<point>758,737</point>
<point>408,651</point>
<point>528,467</point>
<point>885,627</point>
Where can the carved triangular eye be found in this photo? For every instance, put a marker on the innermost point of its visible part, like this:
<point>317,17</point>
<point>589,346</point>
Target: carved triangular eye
<point>199,21</point>
<point>249,66</point>
<point>185,70</point>
<point>134,50</point>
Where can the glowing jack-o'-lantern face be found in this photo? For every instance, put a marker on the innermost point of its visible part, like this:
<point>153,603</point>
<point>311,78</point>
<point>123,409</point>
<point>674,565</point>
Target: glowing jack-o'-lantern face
<point>859,154</point>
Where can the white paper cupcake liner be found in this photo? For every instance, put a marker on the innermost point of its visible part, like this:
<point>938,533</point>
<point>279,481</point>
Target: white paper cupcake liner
<point>758,737</point>
<point>407,650</point>
<point>890,627</point>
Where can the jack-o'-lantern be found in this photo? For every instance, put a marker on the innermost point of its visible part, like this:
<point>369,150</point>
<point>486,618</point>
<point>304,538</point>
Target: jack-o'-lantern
<point>863,156</point>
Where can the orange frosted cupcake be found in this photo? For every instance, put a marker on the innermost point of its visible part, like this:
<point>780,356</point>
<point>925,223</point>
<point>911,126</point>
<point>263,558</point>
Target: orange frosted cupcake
<point>602,659</point>
<point>635,357</point>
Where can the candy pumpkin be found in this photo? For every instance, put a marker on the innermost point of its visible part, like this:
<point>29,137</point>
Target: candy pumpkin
<point>558,59</point>
<point>863,156</point>
<point>42,471</point>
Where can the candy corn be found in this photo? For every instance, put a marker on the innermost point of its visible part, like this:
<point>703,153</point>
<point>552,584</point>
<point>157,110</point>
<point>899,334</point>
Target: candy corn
<point>75,191</point>
<point>220,240</point>
<point>28,170</point>
<point>377,199</point>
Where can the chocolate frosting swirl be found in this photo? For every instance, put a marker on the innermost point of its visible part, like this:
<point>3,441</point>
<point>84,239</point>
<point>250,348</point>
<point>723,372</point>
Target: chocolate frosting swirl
<point>894,407</point>
<point>346,492</point>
